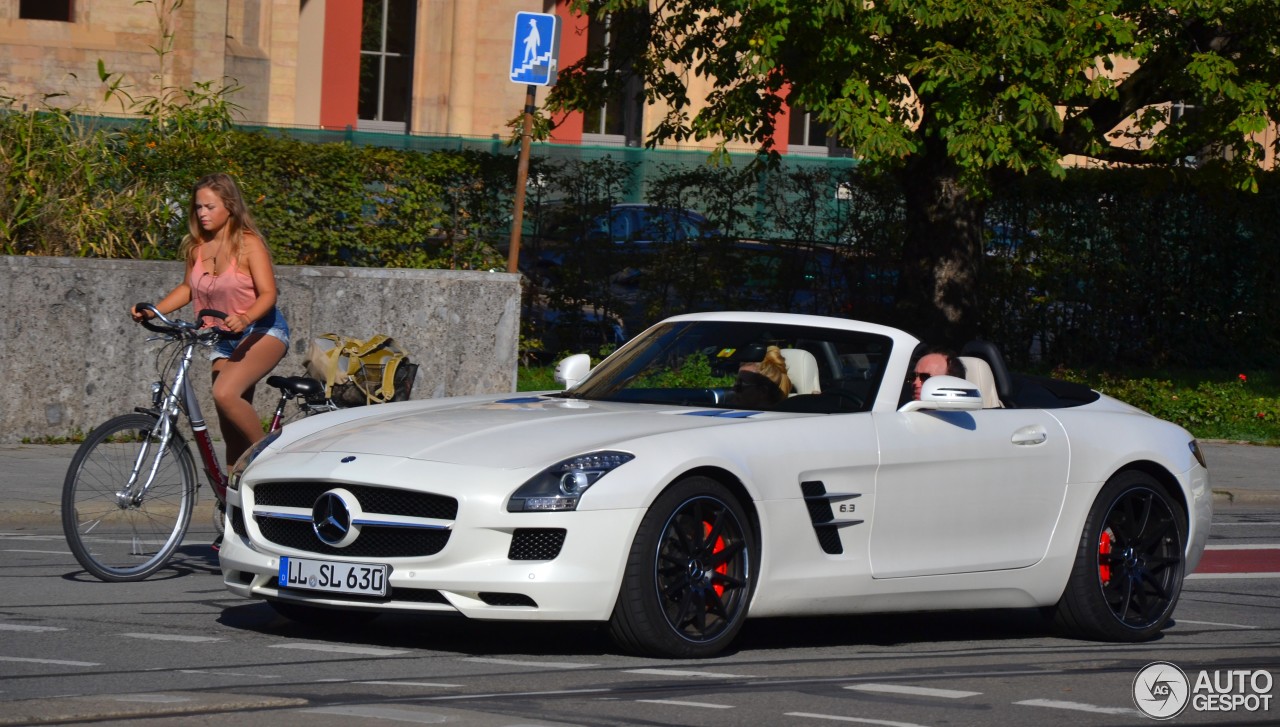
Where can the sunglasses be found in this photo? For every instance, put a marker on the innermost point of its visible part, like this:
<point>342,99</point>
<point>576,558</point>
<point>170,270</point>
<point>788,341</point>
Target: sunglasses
<point>920,377</point>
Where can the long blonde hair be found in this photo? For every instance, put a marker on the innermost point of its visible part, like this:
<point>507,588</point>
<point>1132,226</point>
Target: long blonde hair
<point>774,367</point>
<point>238,223</point>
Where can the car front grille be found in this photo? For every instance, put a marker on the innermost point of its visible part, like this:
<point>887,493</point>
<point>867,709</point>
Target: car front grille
<point>291,529</point>
<point>394,595</point>
<point>507,599</point>
<point>536,543</point>
<point>237,522</point>
<point>384,500</point>
<point>374,541</point>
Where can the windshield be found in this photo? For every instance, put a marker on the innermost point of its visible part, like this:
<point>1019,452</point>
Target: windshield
<point>738,365</point>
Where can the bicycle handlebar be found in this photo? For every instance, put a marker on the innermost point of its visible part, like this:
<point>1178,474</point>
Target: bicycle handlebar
<point>173,326</point>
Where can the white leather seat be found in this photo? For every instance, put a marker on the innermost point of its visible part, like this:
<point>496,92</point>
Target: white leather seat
<point>802,369</point>
<point>978,372</point>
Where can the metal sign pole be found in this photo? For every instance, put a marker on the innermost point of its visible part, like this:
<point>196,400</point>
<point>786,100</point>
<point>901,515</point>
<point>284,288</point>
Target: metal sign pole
<point>522,177</point>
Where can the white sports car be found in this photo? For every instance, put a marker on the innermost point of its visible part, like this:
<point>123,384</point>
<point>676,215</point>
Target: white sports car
<point>658,495</point>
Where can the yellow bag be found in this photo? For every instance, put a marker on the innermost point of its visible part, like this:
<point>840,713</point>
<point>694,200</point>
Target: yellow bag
<point>357,372</point>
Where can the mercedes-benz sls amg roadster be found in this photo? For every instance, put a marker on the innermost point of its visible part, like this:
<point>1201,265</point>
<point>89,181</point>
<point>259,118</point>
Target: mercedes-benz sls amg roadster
<point>658,495</point>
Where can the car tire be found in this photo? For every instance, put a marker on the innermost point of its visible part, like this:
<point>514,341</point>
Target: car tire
<point>318,617</point>
<point>1128,569</point>
<point>689,576</point>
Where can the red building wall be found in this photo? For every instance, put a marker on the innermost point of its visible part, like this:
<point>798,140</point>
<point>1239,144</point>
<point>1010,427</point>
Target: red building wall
<point>340,90</point>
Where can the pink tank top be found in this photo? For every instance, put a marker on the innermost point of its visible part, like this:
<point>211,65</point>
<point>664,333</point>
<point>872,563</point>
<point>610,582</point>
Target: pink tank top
<point>231,291</point>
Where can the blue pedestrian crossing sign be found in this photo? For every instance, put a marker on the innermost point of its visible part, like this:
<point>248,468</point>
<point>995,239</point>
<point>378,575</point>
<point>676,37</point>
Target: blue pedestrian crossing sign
<point>535,49</point>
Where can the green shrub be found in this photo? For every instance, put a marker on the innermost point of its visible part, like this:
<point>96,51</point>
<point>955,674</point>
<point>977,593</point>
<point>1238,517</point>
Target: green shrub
<point>1222,406</point>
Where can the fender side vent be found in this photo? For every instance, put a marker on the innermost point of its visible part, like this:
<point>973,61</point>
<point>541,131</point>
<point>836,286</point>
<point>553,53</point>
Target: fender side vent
<point>823,517</point>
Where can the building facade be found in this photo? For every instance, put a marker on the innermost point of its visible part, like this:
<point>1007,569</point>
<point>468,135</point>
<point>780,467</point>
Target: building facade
<point>435,67</point>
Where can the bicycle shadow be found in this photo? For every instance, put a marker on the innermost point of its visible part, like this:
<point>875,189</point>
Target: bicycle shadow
<point>189,559</point>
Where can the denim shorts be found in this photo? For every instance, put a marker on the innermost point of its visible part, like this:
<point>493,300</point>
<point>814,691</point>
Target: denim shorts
<point>271,324</point>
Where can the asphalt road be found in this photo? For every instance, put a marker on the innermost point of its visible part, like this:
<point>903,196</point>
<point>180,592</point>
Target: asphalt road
<point>179,650</point>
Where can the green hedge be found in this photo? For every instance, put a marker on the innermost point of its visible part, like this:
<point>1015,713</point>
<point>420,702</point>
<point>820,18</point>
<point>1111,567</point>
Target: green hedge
<point>1209,405</point>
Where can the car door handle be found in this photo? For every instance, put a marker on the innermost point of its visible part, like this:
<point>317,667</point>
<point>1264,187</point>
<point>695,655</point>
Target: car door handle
<point>1030,435</point>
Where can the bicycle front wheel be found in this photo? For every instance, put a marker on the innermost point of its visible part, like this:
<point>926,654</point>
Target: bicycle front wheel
<point>119,535</point>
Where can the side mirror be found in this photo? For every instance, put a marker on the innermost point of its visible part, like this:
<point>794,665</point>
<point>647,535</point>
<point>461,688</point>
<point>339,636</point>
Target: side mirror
<point>946,393</point>
<point>571,370</point>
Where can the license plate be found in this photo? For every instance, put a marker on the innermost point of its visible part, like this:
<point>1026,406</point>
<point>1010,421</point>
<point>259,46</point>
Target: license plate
<point>366,579</point>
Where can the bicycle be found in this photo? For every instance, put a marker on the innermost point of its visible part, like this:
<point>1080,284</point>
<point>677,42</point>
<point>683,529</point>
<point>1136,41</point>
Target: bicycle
<point>131,488</point>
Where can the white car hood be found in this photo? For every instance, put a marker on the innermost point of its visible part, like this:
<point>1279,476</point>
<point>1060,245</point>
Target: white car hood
<point>510,432</point>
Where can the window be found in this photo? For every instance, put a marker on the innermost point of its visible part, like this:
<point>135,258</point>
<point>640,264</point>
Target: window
<point>699,364</point>
<point>45,10</point>
<point>806,135</point>
<point>386,64</point>
<point>617,121</point>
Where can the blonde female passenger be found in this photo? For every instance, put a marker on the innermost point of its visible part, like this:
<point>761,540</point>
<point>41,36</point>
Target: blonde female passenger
<point>228,269</point>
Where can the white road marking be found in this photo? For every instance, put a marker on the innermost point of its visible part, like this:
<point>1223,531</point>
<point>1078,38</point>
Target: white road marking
<point>1250,546</point>
<point>676,703</point>
<point>56,662</point>
<point>174,637</point>
<point>688,673</point>
<point>1215,576</point>
<point>1077,706</point>
<point>916,691</point>
<point>1213,623</point>
<point>506,695</point>
<point>533,664</point>
<point>397,715</point>
<point>414,684</point>
<point>28,536</point>
<point>225,673</point>
<point>859,720</point>
<point>151,698</point>
<point>1251,524</point>
<point>335,649</point>
<point>45,552</point>
<point>27,627</point>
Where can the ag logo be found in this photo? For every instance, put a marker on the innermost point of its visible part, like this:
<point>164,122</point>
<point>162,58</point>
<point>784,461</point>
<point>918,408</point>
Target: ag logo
<point>1161,690</point>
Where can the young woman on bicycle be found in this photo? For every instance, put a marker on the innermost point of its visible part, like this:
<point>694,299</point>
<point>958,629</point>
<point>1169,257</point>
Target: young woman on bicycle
<point>229,269</point>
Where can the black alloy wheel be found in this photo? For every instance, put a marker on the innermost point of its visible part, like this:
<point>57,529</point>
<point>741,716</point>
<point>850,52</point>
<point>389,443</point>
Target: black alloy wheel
<point>690,576</point>
<point>1129,569</point>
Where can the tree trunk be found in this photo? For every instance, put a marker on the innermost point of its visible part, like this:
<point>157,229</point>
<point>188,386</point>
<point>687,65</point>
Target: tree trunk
<point>938,296</point>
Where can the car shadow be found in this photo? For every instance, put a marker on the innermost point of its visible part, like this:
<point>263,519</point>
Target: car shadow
<point>454,633</point>
<point>898,629</point>
<point>434,632</point>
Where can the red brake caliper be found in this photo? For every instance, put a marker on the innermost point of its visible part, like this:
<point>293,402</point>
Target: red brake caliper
<point>719,546</point>
<point>1104,549</point>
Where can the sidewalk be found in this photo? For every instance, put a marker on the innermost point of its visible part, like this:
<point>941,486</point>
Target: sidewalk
<point>31,479</point>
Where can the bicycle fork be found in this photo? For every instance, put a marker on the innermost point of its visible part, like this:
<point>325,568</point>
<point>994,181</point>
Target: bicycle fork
<point>167,408</point>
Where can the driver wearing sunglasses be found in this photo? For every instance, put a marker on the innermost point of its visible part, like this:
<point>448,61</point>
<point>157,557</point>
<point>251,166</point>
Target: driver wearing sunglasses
<point>938,362</point>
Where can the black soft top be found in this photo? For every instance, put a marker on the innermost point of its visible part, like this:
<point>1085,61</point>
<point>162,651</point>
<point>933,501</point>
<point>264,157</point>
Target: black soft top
<point>1039,392</point>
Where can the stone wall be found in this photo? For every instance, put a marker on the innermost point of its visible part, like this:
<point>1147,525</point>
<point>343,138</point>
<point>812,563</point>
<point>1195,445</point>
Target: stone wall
<point>72,357</point>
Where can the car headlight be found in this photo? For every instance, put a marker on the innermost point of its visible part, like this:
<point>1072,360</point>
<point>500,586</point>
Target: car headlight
<point>560,486</point>
<point>250,454</point>
<point>1197,453</point>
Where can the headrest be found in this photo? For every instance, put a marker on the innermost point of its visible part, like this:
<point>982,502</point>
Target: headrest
<point>988,352</point>
<point>976,371</point>
<point>802,369</point>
